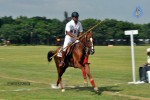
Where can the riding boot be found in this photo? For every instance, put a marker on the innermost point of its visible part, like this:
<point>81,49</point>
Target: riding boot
<point>62,59</point>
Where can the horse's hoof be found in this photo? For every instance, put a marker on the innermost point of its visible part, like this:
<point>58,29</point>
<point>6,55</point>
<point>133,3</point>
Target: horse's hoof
<point>96,89</point>
<point>62,90</point>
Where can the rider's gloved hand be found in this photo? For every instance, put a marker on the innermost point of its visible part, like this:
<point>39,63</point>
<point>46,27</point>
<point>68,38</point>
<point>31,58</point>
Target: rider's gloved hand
<point>76,41</point>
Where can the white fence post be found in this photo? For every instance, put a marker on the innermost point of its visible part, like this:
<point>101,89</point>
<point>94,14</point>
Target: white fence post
<point>132,33</point>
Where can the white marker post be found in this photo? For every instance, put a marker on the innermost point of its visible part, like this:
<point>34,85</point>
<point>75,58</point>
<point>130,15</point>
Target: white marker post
<point>131,33</point>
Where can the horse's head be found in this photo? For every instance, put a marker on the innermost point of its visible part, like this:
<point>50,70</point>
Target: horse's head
<point>88,42</point>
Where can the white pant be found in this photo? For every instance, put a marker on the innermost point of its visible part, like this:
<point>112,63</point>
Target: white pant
<point>67,41</point>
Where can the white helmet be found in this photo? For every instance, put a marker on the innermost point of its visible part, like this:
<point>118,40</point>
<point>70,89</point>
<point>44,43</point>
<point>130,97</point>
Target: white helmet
<point>148,50</point>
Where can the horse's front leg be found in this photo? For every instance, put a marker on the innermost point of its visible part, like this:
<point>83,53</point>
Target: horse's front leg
<point>84,76</point>
<point>87,70</point>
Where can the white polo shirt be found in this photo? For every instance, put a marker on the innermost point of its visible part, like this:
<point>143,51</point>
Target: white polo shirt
<point>73,28</point>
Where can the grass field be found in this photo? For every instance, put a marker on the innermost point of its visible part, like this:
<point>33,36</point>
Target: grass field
<point>110,66</point>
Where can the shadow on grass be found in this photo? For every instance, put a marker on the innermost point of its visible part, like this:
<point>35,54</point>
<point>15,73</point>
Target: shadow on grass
<point>100,89</point>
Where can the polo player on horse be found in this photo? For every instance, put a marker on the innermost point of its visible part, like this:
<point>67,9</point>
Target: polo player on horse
<point>80,45</point>
<point>73,29</point>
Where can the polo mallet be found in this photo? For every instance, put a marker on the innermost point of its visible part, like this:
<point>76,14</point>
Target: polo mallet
<point>90,29</point>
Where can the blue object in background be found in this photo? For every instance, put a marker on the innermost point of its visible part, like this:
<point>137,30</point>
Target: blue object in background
<point>138,12</point>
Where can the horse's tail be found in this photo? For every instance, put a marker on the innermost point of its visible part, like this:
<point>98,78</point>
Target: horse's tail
<point>50,55</point>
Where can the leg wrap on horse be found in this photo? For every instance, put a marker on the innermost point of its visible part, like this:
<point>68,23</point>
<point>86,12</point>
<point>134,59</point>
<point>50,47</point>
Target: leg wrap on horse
<point>84,73</point>
<point>92,82</point>
<point>85,60</point>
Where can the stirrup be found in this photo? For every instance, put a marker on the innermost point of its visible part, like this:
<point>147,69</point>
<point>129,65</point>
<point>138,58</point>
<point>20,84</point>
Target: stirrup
<point>61,64</point>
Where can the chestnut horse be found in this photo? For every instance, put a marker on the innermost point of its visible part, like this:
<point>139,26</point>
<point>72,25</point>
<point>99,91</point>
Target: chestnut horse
<point>77,57</point>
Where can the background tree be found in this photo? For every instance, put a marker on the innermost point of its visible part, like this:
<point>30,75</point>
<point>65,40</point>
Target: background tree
<point>40,30</point>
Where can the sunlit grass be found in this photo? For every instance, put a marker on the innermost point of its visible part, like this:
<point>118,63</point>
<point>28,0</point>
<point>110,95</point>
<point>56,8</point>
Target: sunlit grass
<point>110,67</point>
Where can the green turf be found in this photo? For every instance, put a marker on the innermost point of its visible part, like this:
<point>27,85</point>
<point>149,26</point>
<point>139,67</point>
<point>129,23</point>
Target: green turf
<point>110,67</point>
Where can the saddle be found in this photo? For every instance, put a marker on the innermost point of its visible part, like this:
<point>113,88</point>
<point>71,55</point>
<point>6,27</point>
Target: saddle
<point>68,50</point>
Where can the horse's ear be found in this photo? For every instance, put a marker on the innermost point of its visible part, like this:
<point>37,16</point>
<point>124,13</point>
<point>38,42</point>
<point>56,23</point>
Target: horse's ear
<point>90,33</point>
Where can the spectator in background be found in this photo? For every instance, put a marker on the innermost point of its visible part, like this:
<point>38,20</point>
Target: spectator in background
<point>146,67</point>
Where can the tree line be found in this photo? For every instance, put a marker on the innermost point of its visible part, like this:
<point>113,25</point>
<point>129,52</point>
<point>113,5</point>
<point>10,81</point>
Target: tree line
<point>43,31</point>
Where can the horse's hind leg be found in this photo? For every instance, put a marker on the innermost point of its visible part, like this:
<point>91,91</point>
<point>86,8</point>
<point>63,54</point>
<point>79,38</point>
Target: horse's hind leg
<point>60,71</point>
<point>87,70</point>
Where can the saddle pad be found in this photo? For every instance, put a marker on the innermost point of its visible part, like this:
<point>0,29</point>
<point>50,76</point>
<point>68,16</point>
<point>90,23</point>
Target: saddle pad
<point>59,54</point>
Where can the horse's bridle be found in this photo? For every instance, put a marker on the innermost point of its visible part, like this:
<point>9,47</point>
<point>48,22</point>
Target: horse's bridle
<point>88,49</point>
